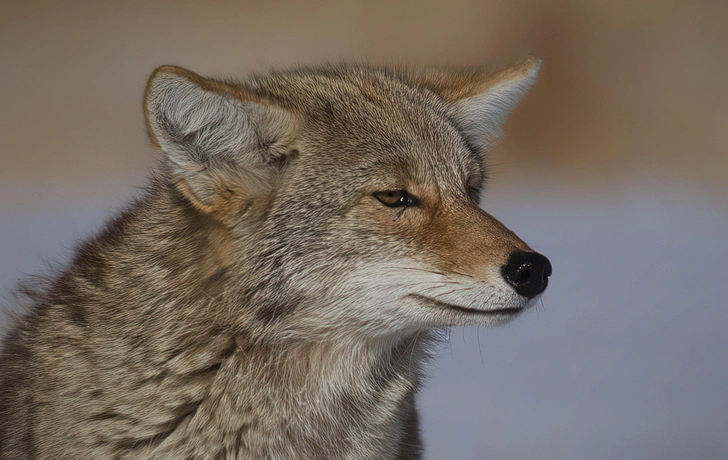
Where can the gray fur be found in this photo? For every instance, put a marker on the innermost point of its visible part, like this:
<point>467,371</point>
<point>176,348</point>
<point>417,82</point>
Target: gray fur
<point>249,304</point>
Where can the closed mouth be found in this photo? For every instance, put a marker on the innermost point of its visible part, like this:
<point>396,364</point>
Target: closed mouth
<point>469,311</point>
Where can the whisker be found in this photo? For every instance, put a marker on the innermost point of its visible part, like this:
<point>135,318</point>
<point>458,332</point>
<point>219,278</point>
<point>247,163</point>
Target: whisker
<point>414,347</point>
<point>439,285</point>
<point>466,288</point>
<point>480,350</point>
<point>463,274</point>
<point>449,344</point>
<point>435,272</point>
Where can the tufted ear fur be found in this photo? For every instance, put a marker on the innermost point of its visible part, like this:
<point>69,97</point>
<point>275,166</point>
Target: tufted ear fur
<point>481,98</point>
<point>223,147</point>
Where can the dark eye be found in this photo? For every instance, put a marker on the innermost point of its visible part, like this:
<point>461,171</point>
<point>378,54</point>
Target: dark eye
<point>397,198</point>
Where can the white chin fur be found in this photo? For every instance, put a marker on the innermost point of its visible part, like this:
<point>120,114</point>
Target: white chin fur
<point>404,295</point>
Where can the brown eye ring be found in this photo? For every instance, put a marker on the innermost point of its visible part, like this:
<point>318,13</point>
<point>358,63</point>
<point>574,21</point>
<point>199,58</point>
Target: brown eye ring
<point>397,198</point>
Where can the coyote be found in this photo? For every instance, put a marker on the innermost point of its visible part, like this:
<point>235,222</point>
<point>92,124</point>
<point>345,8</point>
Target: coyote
<point>277,289</point>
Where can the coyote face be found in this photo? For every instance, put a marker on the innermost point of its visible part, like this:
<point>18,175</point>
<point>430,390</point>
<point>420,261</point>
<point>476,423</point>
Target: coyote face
<point>354,192</point>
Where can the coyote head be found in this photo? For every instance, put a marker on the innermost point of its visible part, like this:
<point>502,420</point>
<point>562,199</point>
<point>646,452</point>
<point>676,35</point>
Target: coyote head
<point>345,198</point>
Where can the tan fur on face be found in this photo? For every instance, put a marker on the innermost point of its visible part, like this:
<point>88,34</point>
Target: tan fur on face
<point>468,241</point>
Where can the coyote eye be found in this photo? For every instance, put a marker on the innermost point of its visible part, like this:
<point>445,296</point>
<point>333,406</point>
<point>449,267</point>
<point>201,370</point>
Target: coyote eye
<point>397,198</point>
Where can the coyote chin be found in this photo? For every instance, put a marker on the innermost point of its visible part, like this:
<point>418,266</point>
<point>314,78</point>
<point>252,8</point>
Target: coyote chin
<point>276,290</point>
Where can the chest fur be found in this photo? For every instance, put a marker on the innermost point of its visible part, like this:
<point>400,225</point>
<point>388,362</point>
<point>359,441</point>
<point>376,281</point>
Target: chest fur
<point>338,403</point>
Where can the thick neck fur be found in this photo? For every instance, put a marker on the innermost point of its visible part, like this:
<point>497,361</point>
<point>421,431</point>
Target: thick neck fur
<point>169,342</point>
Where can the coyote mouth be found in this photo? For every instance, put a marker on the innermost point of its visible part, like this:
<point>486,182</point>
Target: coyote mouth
<point>470,311</point>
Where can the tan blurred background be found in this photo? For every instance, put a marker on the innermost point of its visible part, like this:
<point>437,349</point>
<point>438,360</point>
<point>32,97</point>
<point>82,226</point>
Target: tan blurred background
<point>627,88</point>
<point>615,167</point>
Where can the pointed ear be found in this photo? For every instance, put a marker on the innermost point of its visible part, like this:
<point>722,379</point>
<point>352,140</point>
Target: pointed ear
<point>219,142</point>
<point>482,98</point>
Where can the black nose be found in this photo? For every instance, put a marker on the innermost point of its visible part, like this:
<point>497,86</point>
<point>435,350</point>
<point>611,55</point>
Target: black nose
<point>527,272</point>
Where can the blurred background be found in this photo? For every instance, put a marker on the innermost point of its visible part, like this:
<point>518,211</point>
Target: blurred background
<point>615,166</point>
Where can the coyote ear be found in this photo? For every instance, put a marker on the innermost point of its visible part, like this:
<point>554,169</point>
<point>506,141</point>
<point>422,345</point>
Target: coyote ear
<point>482,98</point>
<point>217,141</point>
